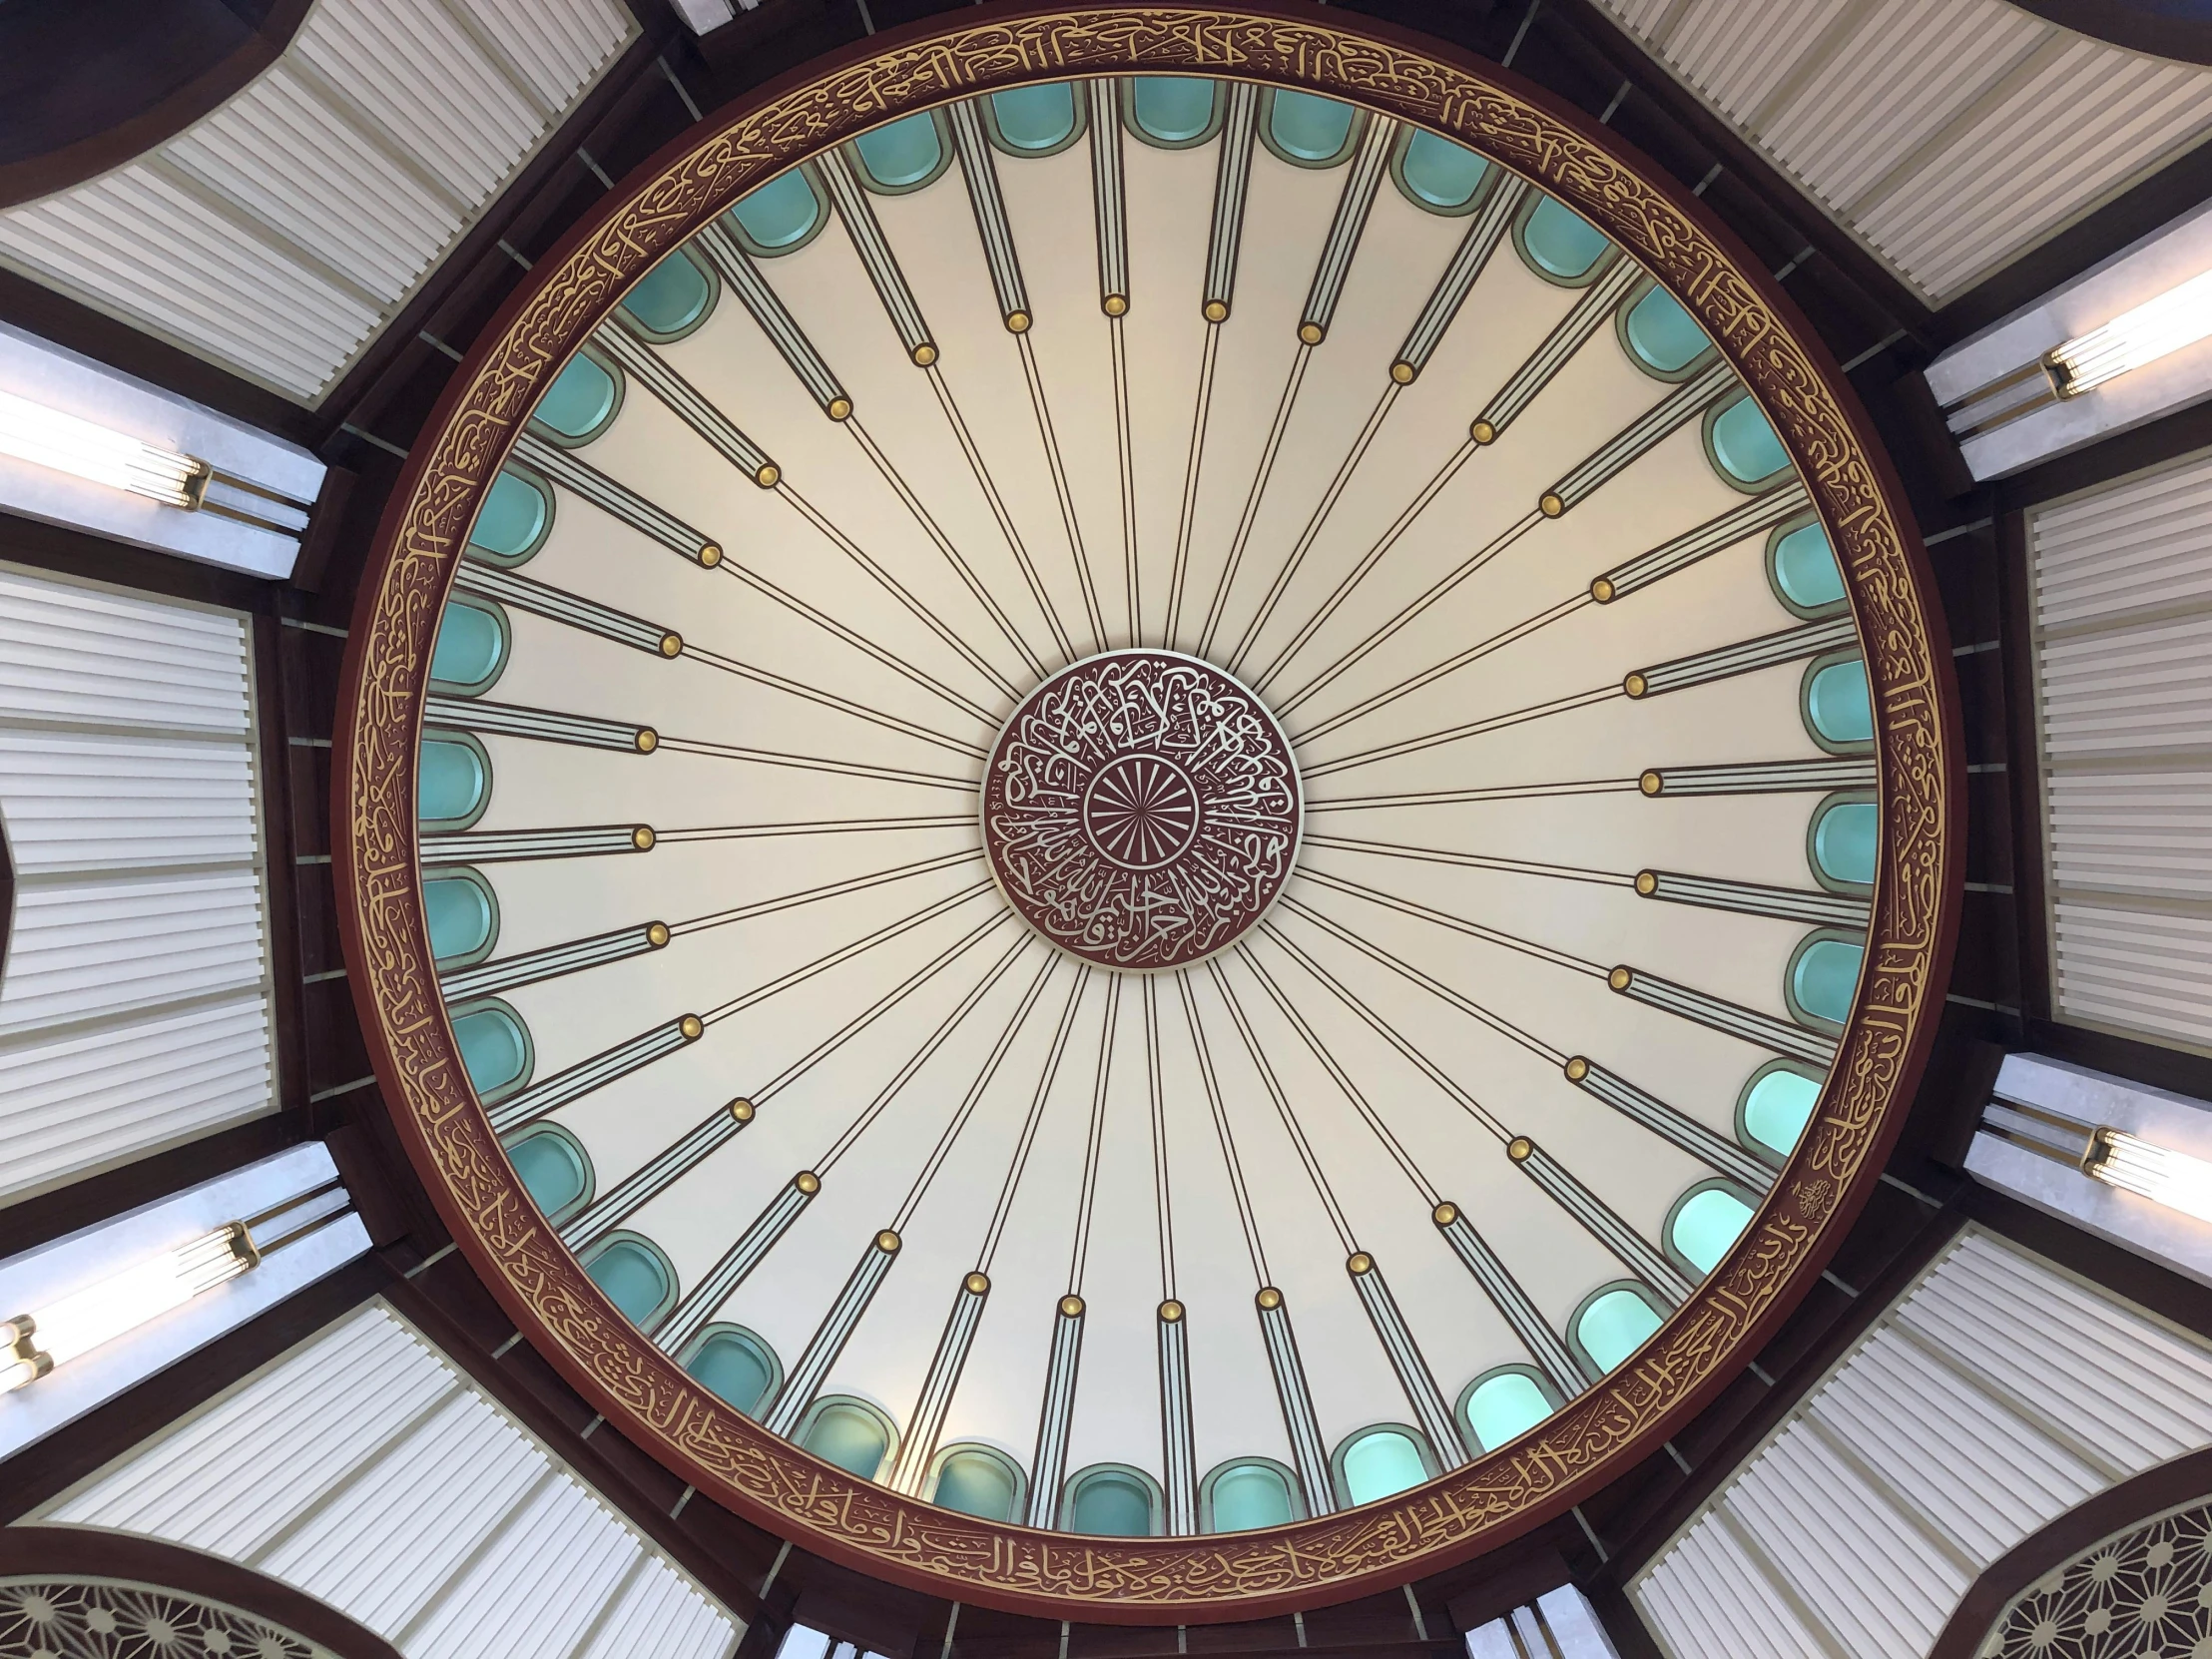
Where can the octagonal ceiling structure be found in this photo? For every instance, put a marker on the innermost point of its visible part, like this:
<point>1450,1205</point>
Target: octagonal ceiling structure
<point>1147,811</point>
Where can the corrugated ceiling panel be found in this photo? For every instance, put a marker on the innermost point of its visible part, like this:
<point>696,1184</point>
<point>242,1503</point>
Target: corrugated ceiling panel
<point>1737,51</point>
<point>2135,970</point>
<point>2138,544</point>
<point>2134,690</point>
<point>84,655</point>
<point>2147,836</point>
<point>89,950</point>
<point>1708,1599</point>
<point>75,800</point>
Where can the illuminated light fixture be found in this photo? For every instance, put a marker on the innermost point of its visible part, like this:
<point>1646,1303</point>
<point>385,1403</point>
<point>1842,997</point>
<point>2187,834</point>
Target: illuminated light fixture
<point>2157,1173</point>
<point>2156,328</point>
<point>32,1343</point>
<point>85,449</point>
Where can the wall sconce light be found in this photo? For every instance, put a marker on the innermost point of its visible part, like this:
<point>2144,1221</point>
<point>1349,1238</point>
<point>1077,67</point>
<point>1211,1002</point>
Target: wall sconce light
<point>2176,1180</point>
<point>85,449</point>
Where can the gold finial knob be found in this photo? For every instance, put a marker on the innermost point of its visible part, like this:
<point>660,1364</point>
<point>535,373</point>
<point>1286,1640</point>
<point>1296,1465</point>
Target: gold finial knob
<point>642,837</point>
<point>1578,1069</point>
<point>1647,882</point>
<point>807,1182</point>
<point>1601,589</point>
<point>646,739</point>
<point>1359,1263</point>
<point>656,934</point>
<point>1621,978</point>
<point>887,1242</point>
<point>1651,782</point>
<point>1483,432</point>
<point>709,554</point>
<point>1550,504</point>
<point>924,354</point>
<point>768,476</point>
<point>1217,311</point>
<point>1445,1214</point>
<point>1115,304</point>
<point>1017,323</point>
<point>1635,685</point>
<point>976,1283</point>
<point>672,645</point>
<point>1269,1298</point>
<point>692,1026</point>
<point>1402,372</point>
<point>840,409</point>
<point>1170,1310</point>
<point>742,1110</point>
<point>1312,333</point>
<point>1520,1149</point>
<point>1071,1307</point>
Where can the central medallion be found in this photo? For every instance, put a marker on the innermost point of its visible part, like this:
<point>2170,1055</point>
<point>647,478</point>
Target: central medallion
<point>1141,809</point>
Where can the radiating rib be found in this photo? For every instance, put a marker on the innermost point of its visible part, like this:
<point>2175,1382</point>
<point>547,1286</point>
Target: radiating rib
<point>471,714</point>
<point>1029,1137</point>
<point>1470,729</point>
<point>988,204</point>
<point>1761,513</point>
<point>1223,1134</point>
<point>1162,1207</point>
<point>830,700</point>
<point>1847,772</point>
<point>570,957</point>
<point>485,847</point>
<point>1676,1127</point>
<point>1473,929</point>
<point>1048,1469</point>
<point>1110,208</point>
<point>1746,657</point>
<point>820,827</point>
<point>1260,474</point>
<point>829,889</point>
<point>1126,472</point>
<point>1498,792</point>
<point>1446,1438</point>
<point>806,1376</point>
<point>721,1281</point>
<point>1069,520</point>
<point>1485,233</point>
<point>1821,909</point>
<point>519,592</point>
<point>1192,467</point>
<point>883,269</point>
<point>1094,1143</point>
<point>685,401</point>
<point>1274,1086</point>
<point>602,1068</point>
<point>1308,1453</point>
<point>616,500</point>
<point>1599,1218</point>
<point>811,763</point>
<point>1640,436</point>
<point>1587,315</point>
<point>1178,1442</point>
<point>1750,1025</point>
<point>1546,1345</point>
<point>774,318</point>
<point>918,1445</point>
<point>1474,861</point>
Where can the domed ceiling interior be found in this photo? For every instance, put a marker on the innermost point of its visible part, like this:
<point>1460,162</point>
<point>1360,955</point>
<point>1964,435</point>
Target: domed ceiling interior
<point>1148,805</point>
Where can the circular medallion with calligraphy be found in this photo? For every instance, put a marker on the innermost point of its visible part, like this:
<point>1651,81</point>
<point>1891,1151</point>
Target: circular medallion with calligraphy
<point>1141,809</point>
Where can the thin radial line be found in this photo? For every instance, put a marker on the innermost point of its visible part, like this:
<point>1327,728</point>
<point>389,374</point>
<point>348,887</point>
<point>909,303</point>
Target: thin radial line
<point>830,700</point>
<point>1259,477</point>
<point>1283,1110</point>
<point>899,665</point>
<point>1368,561</point>
<point>1458,925</point>
<point>892,585</point>
<point>1237,1191</point>
<point>1372,639</point>
<point>816,827</point>
<point>1314,523</point>
<point>1029,1124</point>
<point>1473,653</point>
<point>1079,1258</point>
<point>1074,530</point>
<point>829,889</point>
<point>844,954</point>
<point>1473,729</point>
<point>953,555</point>
<point>1162,1211</point>
<point>1499,791</point>
<point>1125,461</point>
<point>811,763</point>
<point>1474,861</point>
<point>1190,467</point>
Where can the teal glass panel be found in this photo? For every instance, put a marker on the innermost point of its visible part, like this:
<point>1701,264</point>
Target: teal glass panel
<point>1846,839</point>
<point>1661,332</point>
<point>471,645</point>
<point>1173,108</point>
<point>977,1484</point>
<point>1839,703</point>
<point>1381,1463</point>
<point>450,781</point>
<point>849,1438</point>
<point>782,212</point>
<point>1439,172</point>
<point>1615,1326</point>
<point>1250,1495</point>
<point>1805,568</point>
<point>551,1172</point>
<point>458,913</point>
<point>1826,975</point>
<point>512,517</point>
<point>1778,1108</point>
<point>633,1278</point>
<point>579,399</point>
<point>1707,1225</point>
<point>1035,118</point>
<point>1112,1504</point>
<point>493,1048</point>
<point>904,152</point>
<point>732,1367</point>
<point>1561,241</point>
<point>1507,1404</point>
<point>1743,443</point>
<point>670,296</point>
<point>1308,126</point>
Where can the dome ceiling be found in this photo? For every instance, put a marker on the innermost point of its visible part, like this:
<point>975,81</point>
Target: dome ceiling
<point>1148,804</point>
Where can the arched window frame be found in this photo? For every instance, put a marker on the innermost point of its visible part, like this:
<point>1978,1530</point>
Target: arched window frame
<point>761,251</point>
<point>1775,538</point>
<point>1838,798</point>
<point>877,187</point>
<point>1598,266</point>
<point>499,614</point>
<point>752,1340</point>
<point>1756,486</point>
<point>555,1131</point>
<point>1828,659</point>
<point>977,1449</point>
<point>1798,1011</point>
<point>456,1011</point>
<point>1073,1489</point>
<point>507,561</point>
<point>669,1298</point>
<point>1743,1137</point>
<point>868,1408</point>
<point>658,337</point>
<point>1215,1474</point>
<point>1000,143</point>
<point>482,883</point>
<point>1337,158</point>
<point>1582,1356</point>
<point>1464,1422</point>
<point>1431,1468</point>
<point>592,435</point>
<point>1688,371</point>
<point>1404,142</point>
<point>1734,1189</point>
<point>1136,128</point>
<point>467,739</point>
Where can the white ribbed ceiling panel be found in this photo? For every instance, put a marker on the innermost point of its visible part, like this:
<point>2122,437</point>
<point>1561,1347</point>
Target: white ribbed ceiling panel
<point>276,235</point>
<point>134,1003</point>
<point>1949,134</point>
<point>364,1468</point>
<point>1993,1396</point>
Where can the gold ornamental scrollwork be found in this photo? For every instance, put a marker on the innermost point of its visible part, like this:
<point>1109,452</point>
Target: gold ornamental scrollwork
<point>1159,1580</point>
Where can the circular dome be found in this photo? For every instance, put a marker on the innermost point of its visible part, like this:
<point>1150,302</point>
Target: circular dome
<point>1141,845</point>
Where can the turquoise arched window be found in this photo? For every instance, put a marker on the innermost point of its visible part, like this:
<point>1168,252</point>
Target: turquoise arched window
<point>452,781</point>
<point>462,915</point>
<point>1174,110</point>
<point>496,1046</point>
<point>1823,977</point>
<point>1744,447</point>
<point>1112,1501</point>
<point>471,647</point>
<point>1613,1321</point>
<point>636,1277</point>
<point>513,521</point>
<point>903,155</point>
<point>735,1365</point>
<point>1379,1462</point>
<point>1436,174</point>
<point>978,1481</point>
<point>1247,1494</point>
<point>672,298</point>
<point>1308,130</point>
<point>1802,569</point>
<point>582,402</point>
<point>1705,1224</point>
<point>1505,1403</point>
<point>1775,1105</point>
<point>1036,121</point>
<point>1837,705</point>
<point>1660,336</point>
<point>1558,244</point>
<point>851,1434</point>
<point>780,216</point>
<point>554,1170</point>
<point>1844,842</point>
